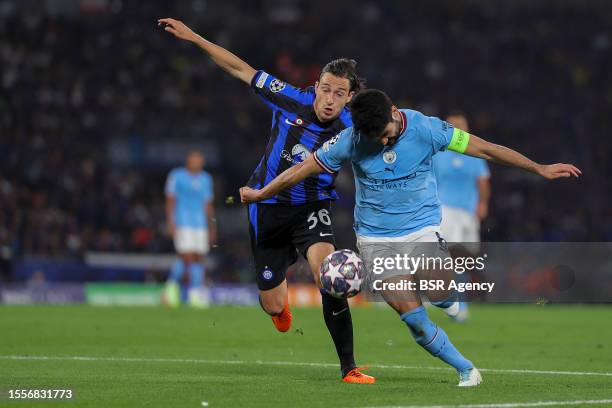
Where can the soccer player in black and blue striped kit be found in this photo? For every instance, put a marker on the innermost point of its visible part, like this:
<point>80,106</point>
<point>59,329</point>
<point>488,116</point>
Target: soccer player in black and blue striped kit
<point>298,219</point>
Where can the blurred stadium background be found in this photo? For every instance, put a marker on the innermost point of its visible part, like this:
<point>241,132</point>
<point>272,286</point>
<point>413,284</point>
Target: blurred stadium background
<point>97,104</point>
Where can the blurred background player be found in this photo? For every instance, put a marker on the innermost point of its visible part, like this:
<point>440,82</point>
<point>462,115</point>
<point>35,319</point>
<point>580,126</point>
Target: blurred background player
<point>190,215</point>
<point>297,220</point>
<point>464,190</point>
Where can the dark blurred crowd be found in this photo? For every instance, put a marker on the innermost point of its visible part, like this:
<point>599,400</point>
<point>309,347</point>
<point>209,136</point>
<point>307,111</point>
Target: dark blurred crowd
<point>80,76</point>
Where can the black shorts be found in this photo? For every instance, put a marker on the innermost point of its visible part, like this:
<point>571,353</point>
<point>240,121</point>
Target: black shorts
<point>278,232</point>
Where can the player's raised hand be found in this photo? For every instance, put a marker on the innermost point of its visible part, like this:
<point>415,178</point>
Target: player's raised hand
<point>220,56</point>
<point>558,170</point>
<point>178,28</point>
<point>248,195</point>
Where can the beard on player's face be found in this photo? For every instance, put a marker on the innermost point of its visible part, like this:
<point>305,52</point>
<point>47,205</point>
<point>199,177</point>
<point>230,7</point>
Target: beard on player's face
<point>391,132</point>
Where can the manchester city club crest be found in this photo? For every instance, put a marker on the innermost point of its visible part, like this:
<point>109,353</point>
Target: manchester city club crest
<point>389,156</point>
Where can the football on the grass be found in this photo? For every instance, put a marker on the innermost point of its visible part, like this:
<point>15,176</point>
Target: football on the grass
<point>342,273</point>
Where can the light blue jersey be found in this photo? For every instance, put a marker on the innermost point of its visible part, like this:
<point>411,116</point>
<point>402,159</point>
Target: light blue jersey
<point>192,192</point>
<point>396,192</point>
<point>457,177</point>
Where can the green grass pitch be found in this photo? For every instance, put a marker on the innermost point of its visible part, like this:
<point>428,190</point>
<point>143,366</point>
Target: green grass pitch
<point>232,356</point>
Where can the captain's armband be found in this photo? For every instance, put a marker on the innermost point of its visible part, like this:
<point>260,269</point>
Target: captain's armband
<point>460,141</point>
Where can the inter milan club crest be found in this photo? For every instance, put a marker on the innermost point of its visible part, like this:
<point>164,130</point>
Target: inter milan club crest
<point>389,156</point>
<point>277,85</point>
<point>267,273</point>
<point>299,153</point>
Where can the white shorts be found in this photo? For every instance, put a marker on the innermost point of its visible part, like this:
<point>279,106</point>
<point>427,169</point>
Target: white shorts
<point>426,242</point>
<point>191,240</point>
<point>458,225</point>
<point>426,234</point>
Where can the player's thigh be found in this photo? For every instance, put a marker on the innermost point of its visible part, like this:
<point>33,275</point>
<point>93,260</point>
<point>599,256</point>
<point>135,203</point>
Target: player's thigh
<point>184,242</point>
<point>388,278</point>
<point>312,224</point>
<point>271,264</point>
<point>191,243</point>
<point>197,243</point>
<point>200,242</point>
<point>452,224</point>
<point>471,234</point>
<point>436,271</point>
<point>461,230</point>
<point>273,251</point>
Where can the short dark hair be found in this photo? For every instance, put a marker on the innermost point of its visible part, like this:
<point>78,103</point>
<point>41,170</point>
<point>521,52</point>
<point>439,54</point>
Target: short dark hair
<point>345,68</point>
<point>371,111</point>
<point>192,152</point>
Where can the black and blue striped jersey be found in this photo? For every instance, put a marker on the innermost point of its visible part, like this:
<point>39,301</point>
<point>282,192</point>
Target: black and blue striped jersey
<point>296,133</point>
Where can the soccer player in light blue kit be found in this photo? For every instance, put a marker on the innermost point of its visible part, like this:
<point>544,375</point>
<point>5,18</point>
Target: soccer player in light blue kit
<point>391,153</point>
<point>463,188</point>
<point>190,216</point>
<point>464,191</point>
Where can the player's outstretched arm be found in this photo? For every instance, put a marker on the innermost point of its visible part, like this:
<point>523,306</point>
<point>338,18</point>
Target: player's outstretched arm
<point>222,57</point>
<point>478,147</point>
<point>283,181</point>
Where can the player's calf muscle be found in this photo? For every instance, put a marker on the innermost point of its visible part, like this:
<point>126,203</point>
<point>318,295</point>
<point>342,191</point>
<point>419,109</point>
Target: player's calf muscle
<point>273,300</point>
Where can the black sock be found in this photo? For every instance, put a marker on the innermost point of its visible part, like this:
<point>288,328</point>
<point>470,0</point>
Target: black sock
<point>340,325</point>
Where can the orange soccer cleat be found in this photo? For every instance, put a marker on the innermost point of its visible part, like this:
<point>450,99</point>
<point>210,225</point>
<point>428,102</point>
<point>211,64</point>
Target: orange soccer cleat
<point>282,322</point>
<point>355,376</point>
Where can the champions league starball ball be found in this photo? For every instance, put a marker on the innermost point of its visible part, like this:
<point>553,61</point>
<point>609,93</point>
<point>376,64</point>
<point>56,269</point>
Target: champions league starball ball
<point>342,273</point>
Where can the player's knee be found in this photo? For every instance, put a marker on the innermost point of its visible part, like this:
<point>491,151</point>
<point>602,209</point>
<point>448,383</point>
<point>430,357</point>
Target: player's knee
<point>274,309</point>
<point>273,306</point>
<point>401,306</point>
